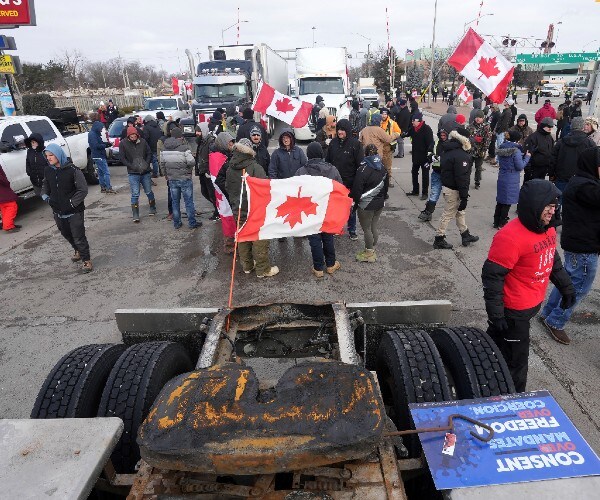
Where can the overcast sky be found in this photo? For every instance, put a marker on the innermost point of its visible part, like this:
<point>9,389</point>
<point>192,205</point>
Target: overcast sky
<point>157,31</point>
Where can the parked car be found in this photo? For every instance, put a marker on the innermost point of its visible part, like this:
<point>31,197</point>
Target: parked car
<point>580,93</point>
<point>114,137</point>
<point>13,132</point>
<point>552,90</point>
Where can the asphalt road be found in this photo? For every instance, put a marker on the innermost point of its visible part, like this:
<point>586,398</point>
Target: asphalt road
<point>50,307</point>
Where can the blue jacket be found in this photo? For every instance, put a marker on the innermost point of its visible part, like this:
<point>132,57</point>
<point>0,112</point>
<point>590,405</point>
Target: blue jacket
<point>511,162</point>
<point>284,163</point>
<point>97,145</point>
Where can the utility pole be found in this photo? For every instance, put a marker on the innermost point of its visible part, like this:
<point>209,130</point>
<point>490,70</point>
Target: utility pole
<point>432,54</point>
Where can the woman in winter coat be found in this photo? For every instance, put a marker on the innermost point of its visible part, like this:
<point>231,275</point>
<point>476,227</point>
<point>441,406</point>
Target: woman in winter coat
<point>369,192</point>
<point>511,163</point>
<point>590,127</point>
<point>35,163</point>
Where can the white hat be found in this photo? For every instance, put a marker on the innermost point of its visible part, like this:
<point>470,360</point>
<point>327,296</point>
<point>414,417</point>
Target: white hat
<point>101,103</point>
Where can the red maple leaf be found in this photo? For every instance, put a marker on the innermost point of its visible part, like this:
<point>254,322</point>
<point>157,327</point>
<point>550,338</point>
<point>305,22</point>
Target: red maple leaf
<point>488,67</point>
<point>293,208</point>
<point>284,105</point>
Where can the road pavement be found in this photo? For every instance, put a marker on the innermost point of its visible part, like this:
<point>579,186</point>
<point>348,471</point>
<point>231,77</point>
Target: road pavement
<point>49,306</point>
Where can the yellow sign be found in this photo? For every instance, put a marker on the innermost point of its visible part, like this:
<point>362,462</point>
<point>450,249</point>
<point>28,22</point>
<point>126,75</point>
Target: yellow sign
<point>7,65</point>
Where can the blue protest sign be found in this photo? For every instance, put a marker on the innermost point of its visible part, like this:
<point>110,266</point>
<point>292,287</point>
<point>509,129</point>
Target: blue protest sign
<point>533,441</point>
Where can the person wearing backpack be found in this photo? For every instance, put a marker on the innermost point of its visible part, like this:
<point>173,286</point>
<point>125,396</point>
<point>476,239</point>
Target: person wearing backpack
<point>204,140</point>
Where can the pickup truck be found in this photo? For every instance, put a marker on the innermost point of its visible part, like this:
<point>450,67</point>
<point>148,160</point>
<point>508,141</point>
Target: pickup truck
<point>170,105</point>
<point>13,132</point>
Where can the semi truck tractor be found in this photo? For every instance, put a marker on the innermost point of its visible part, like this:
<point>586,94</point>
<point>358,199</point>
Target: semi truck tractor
<point>231,78</point>
<point>322,71</point>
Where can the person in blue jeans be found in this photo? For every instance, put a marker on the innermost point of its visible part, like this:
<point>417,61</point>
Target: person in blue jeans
<point>136,155</point>
<point>435,184</point>
<point>177,163</point>
<point>98,152</point>
<point>580,240</point>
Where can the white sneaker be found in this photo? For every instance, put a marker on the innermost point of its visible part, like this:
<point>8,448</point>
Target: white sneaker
<point>272,272</point>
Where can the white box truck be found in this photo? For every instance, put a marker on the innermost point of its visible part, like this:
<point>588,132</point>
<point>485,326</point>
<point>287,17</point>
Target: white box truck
<point>322,71</point>
<point>367,92</point>
<point>231,78</point>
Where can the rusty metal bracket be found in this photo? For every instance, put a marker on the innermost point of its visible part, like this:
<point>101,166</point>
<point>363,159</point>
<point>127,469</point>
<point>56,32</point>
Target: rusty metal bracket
<point>449,427</point>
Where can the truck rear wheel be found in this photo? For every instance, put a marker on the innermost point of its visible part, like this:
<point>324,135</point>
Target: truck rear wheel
<point>410,370</point>
<point>74,386</point>
<point>133,385</point>
<point>474,362</point>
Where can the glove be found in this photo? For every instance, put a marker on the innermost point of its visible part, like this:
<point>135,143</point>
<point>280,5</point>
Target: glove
<point>327,141</point>
<point>568,300</point>
<point>462,205</point>
<point>499,324</point>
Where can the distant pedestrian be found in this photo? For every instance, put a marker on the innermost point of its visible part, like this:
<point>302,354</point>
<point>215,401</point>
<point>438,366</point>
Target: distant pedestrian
<point>530,93</point>
<point>204,140</point>
<point>355,118</point>
<point>98,145</point>
<point>403,121</point>
<point>448,121</point>
<point>35,161</point>
<point>364,116</point>
<point>588,97</point>
<point>391,128</point>
<point>546,111</point>
<point>538,93</point>
<point>65,189</point>
<point>8,205</point>
<point>434,93</point>
<point>112,113</point>
<point>522,126</point>
<point>152,133</point>
<point>322,245</point>
<point>102,118</point>
<point>444,94</point>
<point>327,133</point>
<point>263,158</point>
<point>373,110</point>
<point>480,136</point>
<point>477,103</point>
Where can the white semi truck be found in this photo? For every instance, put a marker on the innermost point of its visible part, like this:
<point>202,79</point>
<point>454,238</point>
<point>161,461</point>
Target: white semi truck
<point>231,77</point>
<point>322,71</point>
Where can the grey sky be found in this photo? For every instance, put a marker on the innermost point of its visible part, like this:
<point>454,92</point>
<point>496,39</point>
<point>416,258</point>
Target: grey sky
<point>158,31</point>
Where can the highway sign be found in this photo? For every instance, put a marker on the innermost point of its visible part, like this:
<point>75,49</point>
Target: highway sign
<point>566,58</point>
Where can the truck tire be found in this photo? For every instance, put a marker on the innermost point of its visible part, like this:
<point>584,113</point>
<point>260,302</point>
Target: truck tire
<point>410,370</point>
<point>91,173</point>
<point>133,385</point>
<point>74,386</point>
<point>474,362</point>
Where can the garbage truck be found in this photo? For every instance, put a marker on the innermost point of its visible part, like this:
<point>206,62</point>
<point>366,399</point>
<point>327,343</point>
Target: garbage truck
<point>322,71</point>
<point>231,77</point>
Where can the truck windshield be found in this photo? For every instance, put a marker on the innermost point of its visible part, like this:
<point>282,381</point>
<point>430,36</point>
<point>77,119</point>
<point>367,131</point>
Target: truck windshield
<point>321,85</point>
<point>368,91</point>
<point>236,90</point>
<point>157,104</point>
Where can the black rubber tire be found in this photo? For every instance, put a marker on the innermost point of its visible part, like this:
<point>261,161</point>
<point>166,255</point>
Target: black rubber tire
<point>133,385</point>
<point>410,370</point>
<point>91,173</point>
<point>74,386</point>
<point>474,362</point>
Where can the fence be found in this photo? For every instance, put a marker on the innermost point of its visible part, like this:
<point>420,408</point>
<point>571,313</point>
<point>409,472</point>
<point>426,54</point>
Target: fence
<point>85,104</point>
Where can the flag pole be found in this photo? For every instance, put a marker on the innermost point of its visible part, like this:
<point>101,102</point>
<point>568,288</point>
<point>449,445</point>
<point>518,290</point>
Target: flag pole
<point>235,245</point>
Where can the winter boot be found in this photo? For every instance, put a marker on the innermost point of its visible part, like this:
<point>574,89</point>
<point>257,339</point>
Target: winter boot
<point>334,268</point>
<point>152,207</point>
<point>135,209</point>
<point>317,273</point>
<point>440,243</point>
<point>468,238</point>
<point>367,255</point>
<point>87,266</point>
<point>76,257</point>
<point>426,214</point>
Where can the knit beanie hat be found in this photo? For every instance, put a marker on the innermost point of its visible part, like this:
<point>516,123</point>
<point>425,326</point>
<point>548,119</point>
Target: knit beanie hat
<point>477,114</point>
<point>417,116</point>
<point>176,132</point>
<point>514,135</point>
<point>591,120</point>
<point>132,130</point>
<point>376,120</point>
<point>577,123</point>
<point>460,119</point>
<point>314,150</point>
<point>245,142</point>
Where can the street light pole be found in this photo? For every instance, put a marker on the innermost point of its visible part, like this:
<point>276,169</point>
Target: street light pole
<point>313,30</point>
<point>473,20</point>
<point>432,53</point>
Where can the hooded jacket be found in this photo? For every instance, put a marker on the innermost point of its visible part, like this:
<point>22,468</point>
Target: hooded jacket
<point>581,206</point>
<point>455,163</point>
<point>544,112</point>
<point>510,163</point>
<point>243,131</point>
<point>96,142</point>
<point>481,136</point>
<point>346,154</point>
<point>64,186</point>
<point>6,193</point>
<point>319,167</point>
<point>565,153</point>
<point>152,133</point>
<point>136,156</point>
<point>540,145</point>
<point>35,162</point>
<point>523,257</point>
<point>176,159</point>
<point>241,159</point>
<point>422,142</point>
<point>374,134</point>
<point>476,107</point>
<point>448,121</point>
<point>284,163</point>
<point>525,130</point>
<point>370,184</point>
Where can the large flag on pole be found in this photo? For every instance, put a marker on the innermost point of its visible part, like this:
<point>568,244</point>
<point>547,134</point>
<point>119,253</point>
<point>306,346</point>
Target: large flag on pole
<point>287,109</point>
<point>297,206</point>
<point>483,66</point>
<point>215,162</point>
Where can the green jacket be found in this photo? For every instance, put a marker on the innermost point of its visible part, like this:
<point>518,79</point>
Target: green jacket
<point>241,159</point>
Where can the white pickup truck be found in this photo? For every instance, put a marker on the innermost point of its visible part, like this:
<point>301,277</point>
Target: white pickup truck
<point>13,132</point>
<point>172,106</point>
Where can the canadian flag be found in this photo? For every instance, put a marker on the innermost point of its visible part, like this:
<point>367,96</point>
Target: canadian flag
<point>464,94</point>
<point>297,206</point>
<point>215,162</point>
<point>287,109</point>
<point>483,65</point>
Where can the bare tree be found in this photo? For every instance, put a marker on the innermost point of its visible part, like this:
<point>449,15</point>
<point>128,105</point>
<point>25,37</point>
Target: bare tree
<point>73,62</point>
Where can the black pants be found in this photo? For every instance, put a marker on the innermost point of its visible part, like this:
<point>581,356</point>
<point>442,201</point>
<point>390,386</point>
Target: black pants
<point>501,214</point>
<point>529,99</point>
<point>208,190</point>
<point>514,343</point>
<point>424,177</point>
<point>492,148</point>
<point>73,230</point>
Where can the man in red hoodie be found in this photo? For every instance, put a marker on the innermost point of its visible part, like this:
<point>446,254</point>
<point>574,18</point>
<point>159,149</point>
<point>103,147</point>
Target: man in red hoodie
<point>546,111</point>
<point>521,262</point>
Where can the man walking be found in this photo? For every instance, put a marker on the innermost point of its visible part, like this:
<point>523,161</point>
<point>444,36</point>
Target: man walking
<point>546,111</point>
<point>112,113</point>
<point>391,128</point>
<point>481,136</point>
<point>135,154</point>
<point>540,145</point>
<point>580,240</point>
<point>98,152</point>
<point>65,189</point>
<point>177,161</point>
<point>521,261</point>
<point>403,121</point>
<point>422,151</point>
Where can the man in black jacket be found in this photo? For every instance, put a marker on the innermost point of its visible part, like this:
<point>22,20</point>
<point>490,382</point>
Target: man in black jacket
<point>152,133</point>
<point>403,121</point>
<point>65,189</point>
<point>263,158</point>
<point>455,165</point>
<point>346,153</point>
<point>422,151</point>
<point>35,161</point>
<point>540,145</point>
<point>580,240</point>
<point>243,131</point>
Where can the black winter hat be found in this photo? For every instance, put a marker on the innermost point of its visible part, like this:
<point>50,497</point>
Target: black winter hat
<point>314,150</point>
<point>247,114</point>
<point>514,135</point>
<point>176,133</point>
<point>522,116</point>
<point>463,131</point>
<point>319,99</point>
